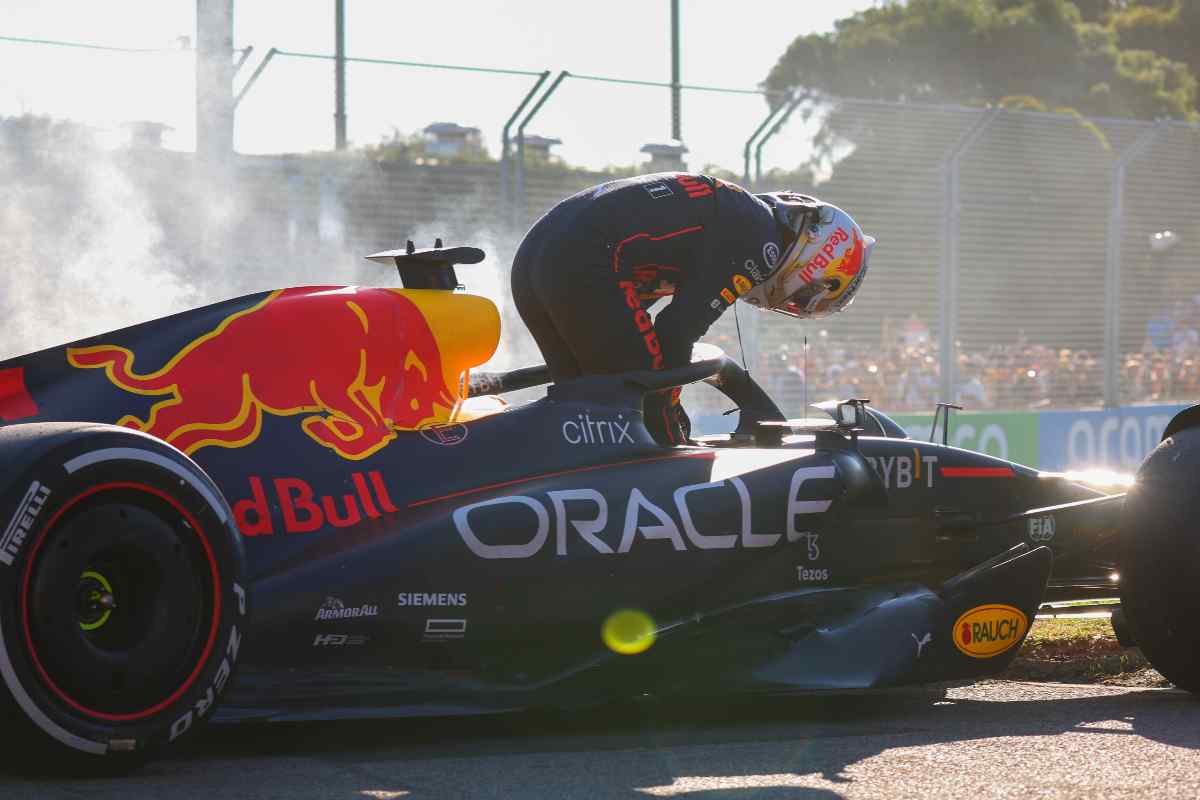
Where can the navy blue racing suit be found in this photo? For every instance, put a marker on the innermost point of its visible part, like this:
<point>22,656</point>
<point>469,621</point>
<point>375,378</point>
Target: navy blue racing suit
<point>587,271</point>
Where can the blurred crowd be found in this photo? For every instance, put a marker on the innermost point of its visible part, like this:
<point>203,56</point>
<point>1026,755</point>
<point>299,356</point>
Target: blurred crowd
<point>903,373</point>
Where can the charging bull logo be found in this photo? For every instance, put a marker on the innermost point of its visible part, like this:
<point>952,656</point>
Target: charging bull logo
<point>360,363</point>
<point>846,269</point>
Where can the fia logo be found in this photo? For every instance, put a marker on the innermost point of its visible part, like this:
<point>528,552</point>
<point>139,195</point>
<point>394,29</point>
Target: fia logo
<point>1041,529</point>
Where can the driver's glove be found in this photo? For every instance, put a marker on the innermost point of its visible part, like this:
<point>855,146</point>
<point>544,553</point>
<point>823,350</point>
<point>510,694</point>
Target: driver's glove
<point>665,418</point>
<point>685,422</point>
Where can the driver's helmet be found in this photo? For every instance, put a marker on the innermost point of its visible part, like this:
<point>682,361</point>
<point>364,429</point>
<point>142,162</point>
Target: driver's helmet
<point>824,258</point>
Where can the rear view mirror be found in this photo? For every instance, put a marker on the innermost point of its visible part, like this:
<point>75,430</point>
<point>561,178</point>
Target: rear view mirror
<point>847,415</point>
<point>852,413</point>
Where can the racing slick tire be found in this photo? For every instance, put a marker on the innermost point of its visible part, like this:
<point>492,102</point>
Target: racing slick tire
<point>122,607</point>
<point>1159,559</point>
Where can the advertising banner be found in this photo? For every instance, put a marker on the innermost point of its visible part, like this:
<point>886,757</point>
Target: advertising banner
<point>1009,435</point>
<point>1115,438</point>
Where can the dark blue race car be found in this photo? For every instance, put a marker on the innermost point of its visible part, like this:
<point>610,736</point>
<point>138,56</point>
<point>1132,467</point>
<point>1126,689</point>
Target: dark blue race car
<point>303,503</point>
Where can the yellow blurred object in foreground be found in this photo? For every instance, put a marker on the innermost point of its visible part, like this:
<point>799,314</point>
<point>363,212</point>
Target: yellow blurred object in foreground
<point>628,632</point>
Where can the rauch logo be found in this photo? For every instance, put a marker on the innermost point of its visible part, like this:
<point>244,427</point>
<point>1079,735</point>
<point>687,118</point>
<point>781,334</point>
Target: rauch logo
<point>987,631</point>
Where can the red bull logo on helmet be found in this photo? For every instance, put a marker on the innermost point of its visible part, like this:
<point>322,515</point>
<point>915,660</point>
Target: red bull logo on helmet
<point>825,256</point>
<point>356,364</point>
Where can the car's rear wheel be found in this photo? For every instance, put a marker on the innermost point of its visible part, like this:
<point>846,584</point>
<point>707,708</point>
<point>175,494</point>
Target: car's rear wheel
<point>121,594</point>
<point>1160,559</point>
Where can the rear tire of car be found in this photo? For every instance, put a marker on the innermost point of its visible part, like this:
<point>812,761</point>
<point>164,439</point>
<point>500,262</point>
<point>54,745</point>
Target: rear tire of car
<point>122,607</point>
<point>1159,559</point>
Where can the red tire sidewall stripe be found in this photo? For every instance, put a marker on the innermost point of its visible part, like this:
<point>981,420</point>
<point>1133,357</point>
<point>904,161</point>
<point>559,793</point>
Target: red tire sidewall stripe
<point>212,634</point>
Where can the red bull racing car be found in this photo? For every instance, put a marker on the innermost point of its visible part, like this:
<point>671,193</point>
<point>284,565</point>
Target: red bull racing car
<point>304,503</point>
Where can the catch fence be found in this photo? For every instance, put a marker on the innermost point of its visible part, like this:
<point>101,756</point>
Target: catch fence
<point>1025,260</point>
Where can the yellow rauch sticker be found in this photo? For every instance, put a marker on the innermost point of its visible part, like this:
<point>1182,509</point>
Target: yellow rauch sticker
<point>987,631</point>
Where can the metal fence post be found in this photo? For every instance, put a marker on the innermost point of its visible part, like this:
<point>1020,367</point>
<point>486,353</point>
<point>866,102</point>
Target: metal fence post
<point>262,65</point>
<point>519,206</point>
<point>746,177</point>
<point>776,128</point>
<point>339,75</point>
<point>214,82</point>
<point>1112,264</point>
<point>506,194</point>
<point>949,267</point>
<point>242,59</point>
<point>676,102</point>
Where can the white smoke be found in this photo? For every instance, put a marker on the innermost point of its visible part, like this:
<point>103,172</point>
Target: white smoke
<point>81,250</point>
<point>94,239</point>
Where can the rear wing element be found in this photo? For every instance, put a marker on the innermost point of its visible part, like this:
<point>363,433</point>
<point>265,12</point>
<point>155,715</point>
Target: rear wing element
<point>431,268</point>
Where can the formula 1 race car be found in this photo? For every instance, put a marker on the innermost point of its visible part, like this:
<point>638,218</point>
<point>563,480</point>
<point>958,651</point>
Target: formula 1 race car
<point>309,488</point>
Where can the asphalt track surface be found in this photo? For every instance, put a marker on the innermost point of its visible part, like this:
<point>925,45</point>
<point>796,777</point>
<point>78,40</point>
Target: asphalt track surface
<point>993,739</point>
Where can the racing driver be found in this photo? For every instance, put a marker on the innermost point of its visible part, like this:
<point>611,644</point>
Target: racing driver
<point>586,273</point>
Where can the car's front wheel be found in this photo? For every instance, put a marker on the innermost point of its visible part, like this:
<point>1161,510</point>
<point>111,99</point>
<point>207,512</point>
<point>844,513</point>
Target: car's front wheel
<point>122,599</point>
<point>1159,559</point>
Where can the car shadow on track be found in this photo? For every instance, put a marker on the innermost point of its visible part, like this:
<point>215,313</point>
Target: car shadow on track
<point>634,749</point>
<point>806,734</point>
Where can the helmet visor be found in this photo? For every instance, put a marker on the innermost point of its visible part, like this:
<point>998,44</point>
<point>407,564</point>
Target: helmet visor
<point>805,301</point>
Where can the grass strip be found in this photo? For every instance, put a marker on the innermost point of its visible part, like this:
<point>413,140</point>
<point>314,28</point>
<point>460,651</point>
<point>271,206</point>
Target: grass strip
<point>1083,650</point>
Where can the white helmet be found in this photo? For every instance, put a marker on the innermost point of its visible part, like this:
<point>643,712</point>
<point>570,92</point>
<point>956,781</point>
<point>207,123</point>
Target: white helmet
<point>823,263</point>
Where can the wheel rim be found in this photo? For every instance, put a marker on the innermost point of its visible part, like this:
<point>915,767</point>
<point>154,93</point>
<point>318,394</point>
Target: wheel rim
<point>122,602</point>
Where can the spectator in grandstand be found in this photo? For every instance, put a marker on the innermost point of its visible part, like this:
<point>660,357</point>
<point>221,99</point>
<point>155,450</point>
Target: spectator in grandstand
<point>971,391</point>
